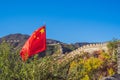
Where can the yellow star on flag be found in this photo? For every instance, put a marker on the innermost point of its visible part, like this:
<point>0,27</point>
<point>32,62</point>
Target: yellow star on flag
<point>42,31</point>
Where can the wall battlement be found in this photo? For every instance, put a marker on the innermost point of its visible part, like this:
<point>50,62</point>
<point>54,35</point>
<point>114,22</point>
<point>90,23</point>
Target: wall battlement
<point>87,48</point>
<point>93,47</point>
<point>9,41</point>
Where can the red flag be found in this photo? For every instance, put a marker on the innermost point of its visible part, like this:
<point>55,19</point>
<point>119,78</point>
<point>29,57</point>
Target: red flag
<point>35,44</point>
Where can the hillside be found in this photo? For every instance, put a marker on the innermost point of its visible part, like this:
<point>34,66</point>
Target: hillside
<point>75,65</point>
<point>17,41</point>
<point>61,61</point>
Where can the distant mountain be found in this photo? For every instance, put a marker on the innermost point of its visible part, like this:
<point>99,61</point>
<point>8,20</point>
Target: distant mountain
<point>17,41</point>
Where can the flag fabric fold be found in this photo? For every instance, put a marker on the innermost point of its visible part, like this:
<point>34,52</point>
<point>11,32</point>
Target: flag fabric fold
<point>35,44</point>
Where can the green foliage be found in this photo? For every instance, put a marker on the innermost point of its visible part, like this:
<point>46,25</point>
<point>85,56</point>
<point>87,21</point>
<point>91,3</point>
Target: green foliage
<point>111,71</point>
<point>68,48</point>
<point>13,68</point>
<point>84,67</point>
<point>52,49</point>
<point>112,47</point>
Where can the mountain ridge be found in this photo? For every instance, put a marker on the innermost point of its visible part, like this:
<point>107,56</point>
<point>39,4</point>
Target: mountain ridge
<point>17,41</point>
<point>18,37</point>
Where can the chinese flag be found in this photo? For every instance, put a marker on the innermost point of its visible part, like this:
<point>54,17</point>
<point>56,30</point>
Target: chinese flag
<point>35,44</point>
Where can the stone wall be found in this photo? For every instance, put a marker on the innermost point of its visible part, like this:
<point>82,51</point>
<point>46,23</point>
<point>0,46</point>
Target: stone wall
<point>87,48</point>
<point>11,41</point>
<point>91,48</point>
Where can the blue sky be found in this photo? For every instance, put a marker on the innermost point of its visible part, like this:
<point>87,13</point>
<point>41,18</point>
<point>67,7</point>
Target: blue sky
<point>68,21</point>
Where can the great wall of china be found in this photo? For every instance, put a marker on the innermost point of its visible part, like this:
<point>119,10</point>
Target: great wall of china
<point>86,48</point>
<point>9,41</point>
<point>90,48</point>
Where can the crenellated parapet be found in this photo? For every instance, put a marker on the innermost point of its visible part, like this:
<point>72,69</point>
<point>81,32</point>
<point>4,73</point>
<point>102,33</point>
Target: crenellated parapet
<point>93,47</point>
<point>9,41</point>
<point>90,48</point>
